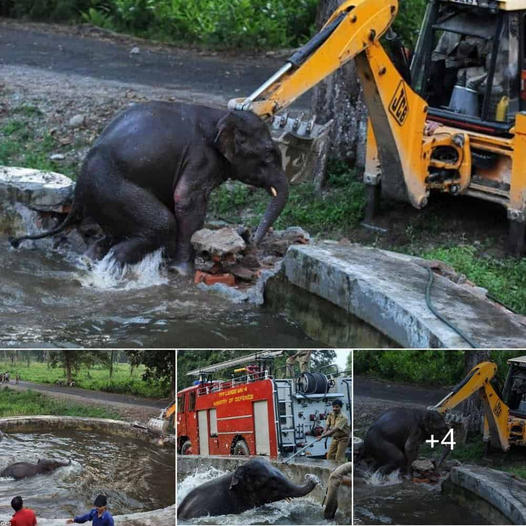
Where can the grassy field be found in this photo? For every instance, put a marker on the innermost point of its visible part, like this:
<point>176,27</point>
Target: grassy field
<point>96,378</point>
<point>16,403</point>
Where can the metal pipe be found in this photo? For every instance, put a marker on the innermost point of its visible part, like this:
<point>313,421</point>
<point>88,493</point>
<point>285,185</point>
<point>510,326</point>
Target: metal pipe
<point>298,452</point>
<point>268,83</point>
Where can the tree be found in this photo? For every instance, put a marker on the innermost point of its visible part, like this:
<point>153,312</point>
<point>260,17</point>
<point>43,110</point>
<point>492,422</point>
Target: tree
<point>73,360</point>
<point>338,97</point>
<point>160,366</point>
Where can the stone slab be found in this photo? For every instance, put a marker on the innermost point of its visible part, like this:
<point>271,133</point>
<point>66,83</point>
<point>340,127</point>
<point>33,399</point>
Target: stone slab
<point>387,290</point>
<point>39,190</point>
<point>501,490</point>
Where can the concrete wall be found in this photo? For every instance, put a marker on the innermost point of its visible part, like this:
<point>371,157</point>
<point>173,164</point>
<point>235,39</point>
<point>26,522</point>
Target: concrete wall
<point>29,424</point>
<point>295,471</point>
<point>494,494</point>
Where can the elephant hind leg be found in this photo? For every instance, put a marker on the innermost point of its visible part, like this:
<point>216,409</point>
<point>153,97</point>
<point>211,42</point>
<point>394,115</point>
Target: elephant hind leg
<point>136,221</point>
<point>389,458</point>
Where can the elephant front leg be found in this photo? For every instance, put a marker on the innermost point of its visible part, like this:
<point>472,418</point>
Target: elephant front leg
<point>190,212</point>
<point>411,449</point>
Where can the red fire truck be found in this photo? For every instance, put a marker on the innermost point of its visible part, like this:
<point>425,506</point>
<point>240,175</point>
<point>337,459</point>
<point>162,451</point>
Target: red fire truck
<point>255,413</point>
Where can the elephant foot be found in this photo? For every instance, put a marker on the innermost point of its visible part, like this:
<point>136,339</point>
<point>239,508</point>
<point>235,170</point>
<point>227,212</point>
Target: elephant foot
<point>184,268</point>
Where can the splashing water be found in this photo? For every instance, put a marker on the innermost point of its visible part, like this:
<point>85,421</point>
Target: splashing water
<point>109,274</point>
<point>379,479</point>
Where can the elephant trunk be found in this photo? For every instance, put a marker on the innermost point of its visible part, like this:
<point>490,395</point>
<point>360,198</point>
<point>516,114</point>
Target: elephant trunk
<point>445,452</point>
<point>280,195</point>
<point>301,491</point>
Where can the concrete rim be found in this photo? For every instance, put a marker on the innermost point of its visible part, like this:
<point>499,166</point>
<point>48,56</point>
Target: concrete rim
<point>23,424</point>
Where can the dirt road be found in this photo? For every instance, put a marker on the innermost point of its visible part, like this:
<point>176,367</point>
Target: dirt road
<point>129,407</point>
<point>90,52</point>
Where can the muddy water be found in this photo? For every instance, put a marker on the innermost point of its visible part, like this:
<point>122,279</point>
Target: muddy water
<point>48,298</point>
<point>135,475</point>
<point>304,510</point>
<point>392,500</point>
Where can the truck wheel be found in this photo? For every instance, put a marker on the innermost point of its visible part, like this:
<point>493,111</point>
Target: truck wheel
<point>185,448</point>
<point>241,448</point>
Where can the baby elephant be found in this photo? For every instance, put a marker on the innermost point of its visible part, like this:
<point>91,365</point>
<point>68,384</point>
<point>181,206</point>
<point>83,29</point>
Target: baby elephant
<point>252,484</point>
<point>20,470</point>
<point>394,439</point>
<point>147,179</point>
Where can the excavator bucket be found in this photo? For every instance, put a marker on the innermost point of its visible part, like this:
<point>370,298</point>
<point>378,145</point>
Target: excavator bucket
<point>303,145</point>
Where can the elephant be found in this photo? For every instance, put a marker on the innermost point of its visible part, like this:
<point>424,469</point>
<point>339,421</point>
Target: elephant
<point>394,439</point>
<point>146,180</point>
<point>20,470</point>
<point>252,484</point>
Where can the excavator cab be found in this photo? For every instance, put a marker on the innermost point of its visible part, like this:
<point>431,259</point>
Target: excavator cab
<point>466,65</point>
<point>514,392</point>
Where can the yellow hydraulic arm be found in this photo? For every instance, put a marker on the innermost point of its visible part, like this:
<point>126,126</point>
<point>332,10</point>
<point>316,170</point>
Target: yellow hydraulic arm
<point>397,113</point>
<point>496,412</point>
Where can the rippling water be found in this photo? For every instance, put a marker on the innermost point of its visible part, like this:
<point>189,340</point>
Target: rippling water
<point>394,500</point>
<point>50,299</point>
<point>304,510</point>
<point>136,476</point>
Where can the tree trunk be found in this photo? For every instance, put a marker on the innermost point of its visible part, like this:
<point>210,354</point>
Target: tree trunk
<point>339,97</point>
<point>112,358</point>
<point>67,367</point>
<point>472,407</point>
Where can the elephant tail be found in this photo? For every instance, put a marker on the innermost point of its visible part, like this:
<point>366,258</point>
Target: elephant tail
<point>74,216</point>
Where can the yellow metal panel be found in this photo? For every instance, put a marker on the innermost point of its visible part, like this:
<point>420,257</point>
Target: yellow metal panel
<point>518,167</point>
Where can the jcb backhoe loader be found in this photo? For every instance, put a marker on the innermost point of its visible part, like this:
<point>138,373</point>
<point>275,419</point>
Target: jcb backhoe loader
<point>504,415</point>
<point>452,122</point>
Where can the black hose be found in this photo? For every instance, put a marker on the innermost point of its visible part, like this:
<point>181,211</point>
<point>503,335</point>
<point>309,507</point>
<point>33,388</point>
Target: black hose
<point>438,315</point>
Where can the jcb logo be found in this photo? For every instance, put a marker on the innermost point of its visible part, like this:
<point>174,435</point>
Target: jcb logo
<point>497,409</point>
<point>398,106</point>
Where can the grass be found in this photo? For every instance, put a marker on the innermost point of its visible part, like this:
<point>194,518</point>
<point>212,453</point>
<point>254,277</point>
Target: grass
<point>24,143</point>
<point>504,278</point>
<point>96,378</point>
<point>23,403</point>
<point>332,213</point>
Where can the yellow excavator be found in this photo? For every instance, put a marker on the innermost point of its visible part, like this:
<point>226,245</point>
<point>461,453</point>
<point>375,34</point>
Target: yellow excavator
<point>452,120</point>
<point>504,414</point>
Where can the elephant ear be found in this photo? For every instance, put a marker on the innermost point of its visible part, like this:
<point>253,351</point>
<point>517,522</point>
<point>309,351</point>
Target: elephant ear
<point>225,140</point>
<point>237,477</point>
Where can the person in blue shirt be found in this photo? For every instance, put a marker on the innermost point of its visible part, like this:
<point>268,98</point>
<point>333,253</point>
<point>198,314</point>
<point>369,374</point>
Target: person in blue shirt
<point>99,516</point>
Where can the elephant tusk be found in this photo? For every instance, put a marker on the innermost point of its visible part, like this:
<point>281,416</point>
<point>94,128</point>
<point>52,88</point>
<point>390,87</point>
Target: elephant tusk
<point>273,191</point>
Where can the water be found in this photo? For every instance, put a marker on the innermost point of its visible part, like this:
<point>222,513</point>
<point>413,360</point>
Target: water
<point>393,500</point>
<point>303,510</point>
<point>49,299</point>
<point>53,299</point>
<point>136,476</point>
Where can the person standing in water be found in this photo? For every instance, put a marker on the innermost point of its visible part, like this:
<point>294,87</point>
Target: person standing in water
<point>100,516</point>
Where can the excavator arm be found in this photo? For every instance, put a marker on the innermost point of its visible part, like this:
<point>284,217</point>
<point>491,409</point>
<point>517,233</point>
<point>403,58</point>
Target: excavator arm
<point>496,412</point>
<point>396,139</point>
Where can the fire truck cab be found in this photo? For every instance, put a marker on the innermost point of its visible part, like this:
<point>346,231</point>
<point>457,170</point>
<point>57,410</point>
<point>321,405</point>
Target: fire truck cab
<point>255,413</point>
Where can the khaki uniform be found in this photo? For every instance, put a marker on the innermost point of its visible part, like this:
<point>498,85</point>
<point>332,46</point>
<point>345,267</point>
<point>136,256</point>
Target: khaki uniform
<point>303,359</point>
<point>335,480</point>
<point>340,438</point>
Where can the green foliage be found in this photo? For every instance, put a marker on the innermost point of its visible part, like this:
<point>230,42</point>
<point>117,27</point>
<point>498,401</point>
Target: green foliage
<point>407,23</point>
<point>217,23</point>
<point>95,378</point>
<point>432,367</point>
<point>20,403</point>
<point>237,23</point>
<point>23,143</point>
<point>505,278</point>
<point>338,209</point>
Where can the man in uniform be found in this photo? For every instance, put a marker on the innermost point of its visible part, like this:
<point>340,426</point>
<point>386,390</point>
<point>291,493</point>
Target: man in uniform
<point>337,427</point>
<point>303,359</point>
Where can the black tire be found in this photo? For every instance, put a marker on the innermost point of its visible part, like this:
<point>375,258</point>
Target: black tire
<point>240,448</point>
